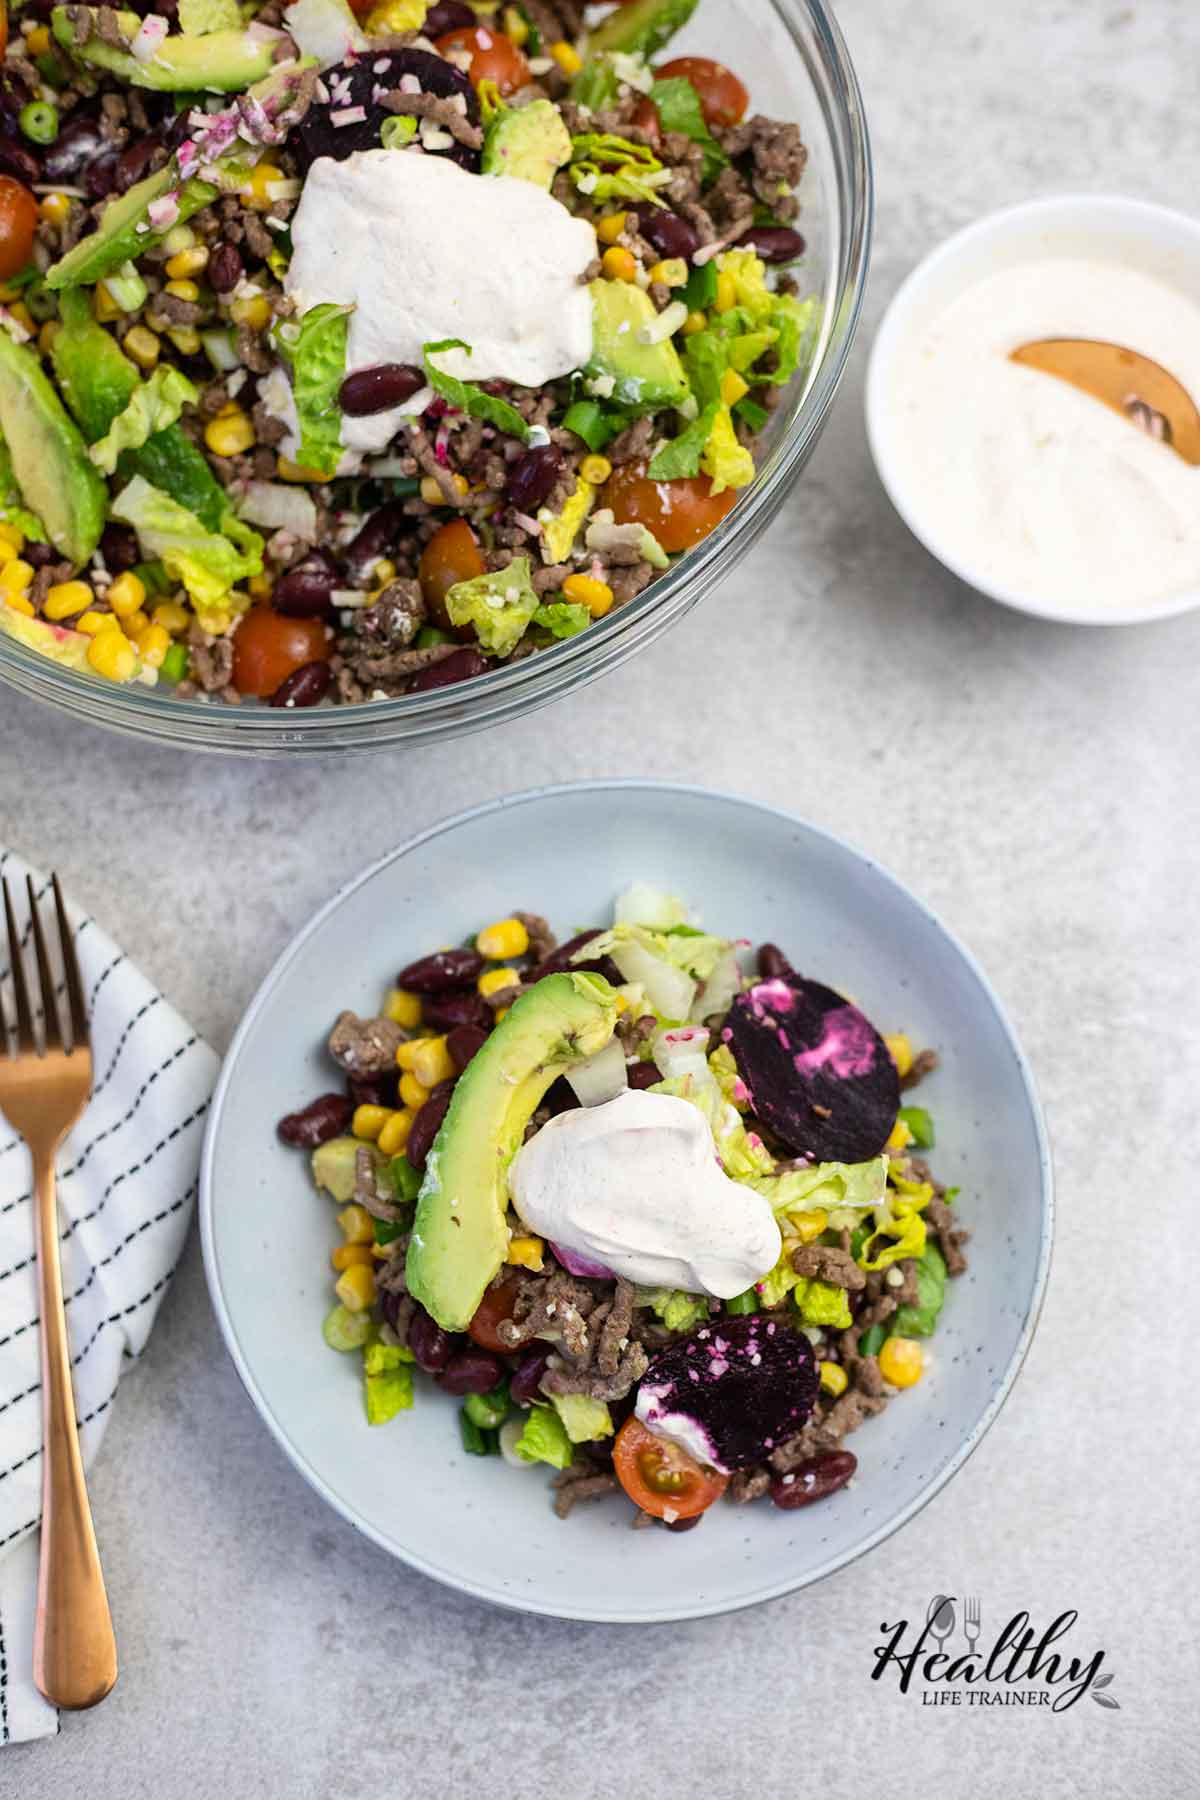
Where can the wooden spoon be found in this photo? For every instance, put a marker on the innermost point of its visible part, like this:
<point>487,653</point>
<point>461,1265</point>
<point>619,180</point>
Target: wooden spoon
<point>1142,391</point>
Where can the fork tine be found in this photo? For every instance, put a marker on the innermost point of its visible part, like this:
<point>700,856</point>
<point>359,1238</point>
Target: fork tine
<point>25,1037</point>
<point>50,1022</point>
<point>79,1019</point>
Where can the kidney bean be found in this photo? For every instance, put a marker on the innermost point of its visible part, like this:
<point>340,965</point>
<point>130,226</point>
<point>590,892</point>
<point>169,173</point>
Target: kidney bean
<point>374,390</point>
<point>372,1090</point>
<point>305,591</point>
<point>683,1524</point>
<point>446,1011</point>
<point>643,1074</point>
<point>814,1480</point>
<point>119,547</point>
<point>390,1303</point>
<point>324,1118</point>
<point>460,666</point>
<point>305,686</point>
<point>225,268</point>
<point>560,959</point>
<point>772,963</point>
<point>40,555</point>
<point>525,1386</point>
<point>560,1097</point>
<point>427,1124</point>
<point>667,232</point>
<point>471,1372</point>
<point>99,178</point>
<point>774,243</point>
<point>438,973</point>
<point>447,15</point>
<point>432,1347</point>
<point>134,162</point>
<point>17,161</point>
<point>463,1042</point>
<point>646,119</point>
<point>373,540</point>
<point>532,477</point>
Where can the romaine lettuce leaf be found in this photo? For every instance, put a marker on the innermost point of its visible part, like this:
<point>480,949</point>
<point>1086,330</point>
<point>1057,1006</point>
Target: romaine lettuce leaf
<point>831,1187</point>
<point>726,462</point>
<point>562,618</point>
<point>499,605</point>
<point>679,109</point>
<point>387,1381</point>
<point>154,404</point>
<point>545,1439</point>
<point>919,1318</point>
<point>680,457</point>
<point>583,1418</point>
<point>678,1310</point>
<point>743,1155</point>
<point>315,352</point>
<point>467,397</point>
<point>822,1303</point>
<point>208,563</point>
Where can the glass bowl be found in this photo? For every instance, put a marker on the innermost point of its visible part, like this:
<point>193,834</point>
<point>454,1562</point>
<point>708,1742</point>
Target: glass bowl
<point>792,57</point>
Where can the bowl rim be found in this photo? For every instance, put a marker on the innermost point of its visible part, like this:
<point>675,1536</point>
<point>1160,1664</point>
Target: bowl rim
<point>503,693</point>
<point>885,450</point>
<point>684,1610</point>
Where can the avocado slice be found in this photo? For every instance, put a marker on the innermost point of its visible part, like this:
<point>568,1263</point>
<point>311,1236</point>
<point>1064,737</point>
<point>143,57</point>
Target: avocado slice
<point>49,457</point>
<point>529,142</point>
<point>58,642</point>
<point>642,28</point>
<point>224,62</point>
<point>647,376</point>
<point>459,1238</point>
<point>117,239</point>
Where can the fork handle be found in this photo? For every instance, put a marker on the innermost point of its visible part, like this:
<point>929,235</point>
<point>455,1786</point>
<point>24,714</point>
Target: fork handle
<point>74,1650</point>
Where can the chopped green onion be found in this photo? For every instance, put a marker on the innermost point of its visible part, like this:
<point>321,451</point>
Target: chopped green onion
<point>870,1341</point>
<point>344,1330</point>
<point>404,485</point>
<point>127,288</point>
<point>174,664</point>
<point>751,413</point>
<point>218,347</point>
<point>590,423</point>
<point>701,288</point>
<point>488,1410</point>
<point>475,1441</point>
<point>920,1124</point>
<point>387,1230</point>
<point>50,69</point>
<point>39,121</point>
<point>430,635</point>
<point>153,577</point>
<point>405,1180</point>
<point>742,1304</point>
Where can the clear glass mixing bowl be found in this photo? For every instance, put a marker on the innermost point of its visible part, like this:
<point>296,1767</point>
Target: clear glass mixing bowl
<point>792,57</point>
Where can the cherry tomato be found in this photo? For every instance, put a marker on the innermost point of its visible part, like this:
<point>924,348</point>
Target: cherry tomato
<point>661,1477</point>
<point>18,222</point>
<point>451,555</point>
<point>267,648</point>
<point>497,1304</point>
<point>494,57</point>
<point>3,27</point>
<point>679,513</point>
<point>723,99</point>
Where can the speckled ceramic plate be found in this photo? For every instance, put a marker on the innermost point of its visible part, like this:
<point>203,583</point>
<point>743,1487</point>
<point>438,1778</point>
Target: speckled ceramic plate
<point>474,1522</point>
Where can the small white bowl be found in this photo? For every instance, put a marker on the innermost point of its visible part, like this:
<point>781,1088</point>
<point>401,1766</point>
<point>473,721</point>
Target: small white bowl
<point>1164,243</point>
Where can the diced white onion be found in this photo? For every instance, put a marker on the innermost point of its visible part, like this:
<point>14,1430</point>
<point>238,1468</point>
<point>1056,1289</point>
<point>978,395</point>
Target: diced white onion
<point>601,1077</point>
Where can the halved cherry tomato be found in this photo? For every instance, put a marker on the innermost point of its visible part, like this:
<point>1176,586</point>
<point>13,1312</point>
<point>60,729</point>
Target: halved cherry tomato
<point>679,513</point>
<point>494,57</point>
<point>268,647</point>
<point>451,555</point>
<point>497,1304</point>
<point>18,222</point>
<point>723,99</point>
<point>661,1477</point>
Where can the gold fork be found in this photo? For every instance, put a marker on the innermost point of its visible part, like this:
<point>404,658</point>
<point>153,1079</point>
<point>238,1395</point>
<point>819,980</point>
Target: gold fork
<point>43,1091</point>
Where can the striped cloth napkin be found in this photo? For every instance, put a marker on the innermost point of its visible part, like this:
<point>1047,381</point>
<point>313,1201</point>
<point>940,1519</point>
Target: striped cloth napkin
<point>126,1183</point>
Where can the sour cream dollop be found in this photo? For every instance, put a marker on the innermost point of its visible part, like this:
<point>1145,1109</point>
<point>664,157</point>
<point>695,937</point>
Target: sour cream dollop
<point>635,1184</point>
<point>424,251</point>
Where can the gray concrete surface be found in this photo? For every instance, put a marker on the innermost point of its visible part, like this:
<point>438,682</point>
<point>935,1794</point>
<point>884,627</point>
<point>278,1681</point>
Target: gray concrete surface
<point>1038,785</point>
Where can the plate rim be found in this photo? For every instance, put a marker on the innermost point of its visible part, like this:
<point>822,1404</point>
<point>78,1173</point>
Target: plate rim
<point>708,1608</point>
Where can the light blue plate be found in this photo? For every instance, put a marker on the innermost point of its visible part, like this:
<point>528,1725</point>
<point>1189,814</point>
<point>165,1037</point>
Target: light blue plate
<point>566,851</point>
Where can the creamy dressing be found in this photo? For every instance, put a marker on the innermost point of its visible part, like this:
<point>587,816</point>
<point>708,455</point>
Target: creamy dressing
<point>423,251</point>
<point>635,1184</point>
<point>1028,483</point>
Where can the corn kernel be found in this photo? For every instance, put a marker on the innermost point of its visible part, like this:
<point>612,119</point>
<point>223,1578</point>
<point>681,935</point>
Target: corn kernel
<point>597,596</point>
<point>263,176</point>
<point>186,263</point>
<point>672,272</point>
<point>526,1252</point>
<point>183,289</point>
<point>19,603</point>
<point>501,1013</point>
<point>610,227</point>
<point>12,535</point>
<point>142,346</point>
<point>426,1058</point>
<point>567,57</point>
<point>413,1093</point>
<point>507,937</point>
<point>186,339</point>
<point>622,1002</point>
<point>356,1224</point>
<point>287,470</point>
<point>104,306</point>
<point>494,981</point>
<point>356,1288</point>
<point>230,435</point>
<point>515,26</point>
<point>834,1379</point>
<point>171,616</point>
<point>901,1052</point>
<point>152,643</point>
<point>93,623</point>
<point>126,594</point>
<point>66,599</point>
<point>402,1008</point>
<point>726,298</point>
<point>112,655</point>
<point>369,1121</point>
<point>56,208</point>
<point>595,470</point>
<point>808,1226</point>
<point>38,41</point>
<point>384,571</point>
<point>901,1362</point>
<point>733,387</point>
<point>695,321</point>
<point>619,264</point>
<point>432,494</point>
<point>46,336</point>
<point>899,1138</point>
<point>21,313</point>
<point>351,1256</point>
<point>180,237</point>
<point>15,576</point>
<point>394,1135</point>
<point>254,310</point>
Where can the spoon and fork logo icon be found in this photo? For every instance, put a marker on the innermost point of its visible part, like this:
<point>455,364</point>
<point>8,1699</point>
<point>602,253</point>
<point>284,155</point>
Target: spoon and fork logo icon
<point>941,1617</point>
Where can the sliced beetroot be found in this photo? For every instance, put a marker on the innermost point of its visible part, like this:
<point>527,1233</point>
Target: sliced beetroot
<point>733,1390</point>
<point>818,1072</point>
<point>357,83</point>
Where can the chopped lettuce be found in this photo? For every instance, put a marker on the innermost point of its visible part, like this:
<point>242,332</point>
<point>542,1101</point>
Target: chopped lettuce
<point>743,1155</point>
<point>467,397</point>
<point>499,605</point>
<point>607,167</point>
<point>394,16</point>
<point>726,462</point>
<point>678,1310</point>
<point>562,618</point>
<point>822,1303</point>
<point>559,530</point>
<point>154,404</point>
<point>679,109</point>
<point>398,131</point>
<point>583,1418</point>
<point>919,1318</point>
<point>643,904</point>
<point>208,563</point>
<point>835,1188</point>
<point>387,1381</point>
<point>680,456</point>
<point>316,354</point>
<point>198,17</point>
<point>778,1282</point>
<point>326,29</point>
<point>898,1217</point>
<point>545,1439</point>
